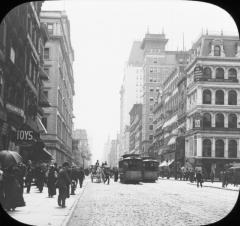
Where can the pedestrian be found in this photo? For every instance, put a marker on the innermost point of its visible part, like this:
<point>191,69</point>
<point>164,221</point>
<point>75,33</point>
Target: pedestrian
<point>115,174</point>
<point>13,196</point>
<point>29,175</point>
<point>222,176</point>
<point>106,171</point>
<point>51,180</point>
<point>62,183</point>
<point>40,177</point>
<point>199,178</point>
<point>81,176</point>
<point>212,176</point>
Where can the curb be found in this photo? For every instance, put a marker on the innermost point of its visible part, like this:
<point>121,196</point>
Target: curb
<point>67,218</point>
<point>216,187</point>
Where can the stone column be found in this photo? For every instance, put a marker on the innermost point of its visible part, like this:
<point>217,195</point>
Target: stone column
<point>225,97</point>
<point>213,120</point>
<point>213,147</point>
<point>213,96</point>
<point>214,72</point>
<point>238,120</point>
<point>199,146</point>
<point>199,95</point>
<point>226,148</point>
<point>238,148</point>
<point>225,120</point>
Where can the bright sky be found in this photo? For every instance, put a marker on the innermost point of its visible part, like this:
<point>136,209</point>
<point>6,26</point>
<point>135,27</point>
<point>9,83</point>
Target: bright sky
<point>102,33</point>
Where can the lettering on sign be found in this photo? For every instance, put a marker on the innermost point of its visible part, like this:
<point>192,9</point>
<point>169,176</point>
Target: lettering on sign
<point>24,135</point>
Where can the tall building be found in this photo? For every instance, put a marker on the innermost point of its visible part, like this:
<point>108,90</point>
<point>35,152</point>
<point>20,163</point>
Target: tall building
<point>135,133</point>
<point>58,60</point>
<point>22,39</point>
<point>157,65</point>
<point>213,103</point>
<point>131,90</point>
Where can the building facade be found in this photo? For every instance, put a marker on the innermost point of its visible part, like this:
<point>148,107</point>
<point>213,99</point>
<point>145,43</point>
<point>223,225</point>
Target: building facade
<point>22,39</point>
<point>157,65</point>
<point>213,104</point>
<point>58,60</point>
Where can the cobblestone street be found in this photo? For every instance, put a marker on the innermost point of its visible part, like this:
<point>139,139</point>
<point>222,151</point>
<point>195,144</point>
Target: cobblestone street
<point>166,202</point>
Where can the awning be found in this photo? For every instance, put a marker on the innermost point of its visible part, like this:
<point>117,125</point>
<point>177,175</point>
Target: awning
<point>164,163</point>
<point>41,127</point>
<point>172,140</point>
<point>170,121</point>
<point>170,162</point>
<point>47,153</point>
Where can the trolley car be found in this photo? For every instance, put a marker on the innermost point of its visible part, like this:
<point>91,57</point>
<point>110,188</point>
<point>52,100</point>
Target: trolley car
<point>150,169</point>
<point>130,168</point>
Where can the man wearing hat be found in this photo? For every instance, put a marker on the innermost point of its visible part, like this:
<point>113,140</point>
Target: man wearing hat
<point>63,182</point>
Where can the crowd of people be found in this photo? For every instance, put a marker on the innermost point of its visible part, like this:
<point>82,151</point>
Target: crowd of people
<point>14,179</point>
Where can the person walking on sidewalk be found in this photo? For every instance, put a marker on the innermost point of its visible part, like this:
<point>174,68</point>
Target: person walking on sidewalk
<point>107,174</point>
<point>62,183</point>
<point>51,180</point>
<point>29,175</point>
<point>212,176</point>
<point>199,178</point>
<point>81,176</point>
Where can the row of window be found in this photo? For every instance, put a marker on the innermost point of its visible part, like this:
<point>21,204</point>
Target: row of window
<point>219,148</point>
<point>219,120</point>
<point>219,73</point>
<point>219,97</point>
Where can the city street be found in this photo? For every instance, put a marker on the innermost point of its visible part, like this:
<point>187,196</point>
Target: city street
<point>166,202</point>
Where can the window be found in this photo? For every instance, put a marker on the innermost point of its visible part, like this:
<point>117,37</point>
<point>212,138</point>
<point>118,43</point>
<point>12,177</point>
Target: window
<point>207,147</point>
<point>46,70</point>
<point>151,99</point>
<point>151,127</point>
<point>219,145</point>
<point>151,137</point>
<point>219,73</point>
<point>232,74</point>
<point>219,120</point>
<point>207,96</point>
<point>50,28</point>
<point>219,97</point>
<point>232,149</point>
<point>217,50</point>
<point>45,93</point>
<point>207,120</point>
<point>232,121</point>
<point>207,73</point>
<point>46,53</point>
<point>44,121</point>
<point>232,97</point>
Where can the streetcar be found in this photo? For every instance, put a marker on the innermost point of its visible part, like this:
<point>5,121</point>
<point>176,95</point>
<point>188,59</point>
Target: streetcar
<point>130,168</point>
<point>150,169</point>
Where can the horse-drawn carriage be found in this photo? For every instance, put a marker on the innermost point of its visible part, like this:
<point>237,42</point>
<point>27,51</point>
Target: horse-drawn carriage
<point>96,174</point>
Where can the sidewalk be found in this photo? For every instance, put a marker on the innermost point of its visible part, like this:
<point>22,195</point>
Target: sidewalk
<point>217,185</point>
<point>43,211</point>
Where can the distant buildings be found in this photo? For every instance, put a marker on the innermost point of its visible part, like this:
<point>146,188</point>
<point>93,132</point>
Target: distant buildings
<point>81,150</point>
<point>58,60</point>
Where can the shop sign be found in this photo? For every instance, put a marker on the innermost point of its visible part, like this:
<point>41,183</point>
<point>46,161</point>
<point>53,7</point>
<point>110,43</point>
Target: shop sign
<point>25,136</point>
<point>198,73</point>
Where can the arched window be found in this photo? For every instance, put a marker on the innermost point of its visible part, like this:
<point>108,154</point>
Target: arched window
<point>219,120</point>
<point>217,50</point>
<point>232,121</point>
<point>207,120</point>
<point>232,73</point>
<point>232,97</point>
<point>207,72</point>
<point>232,149</point>
<point>219,145</point>
<point>219,97</point>
<point>219,73</point>
<point>207,147</point>
<point>207,96</point>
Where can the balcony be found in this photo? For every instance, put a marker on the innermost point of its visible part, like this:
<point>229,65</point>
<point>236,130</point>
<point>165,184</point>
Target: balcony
<point>43,75</point>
